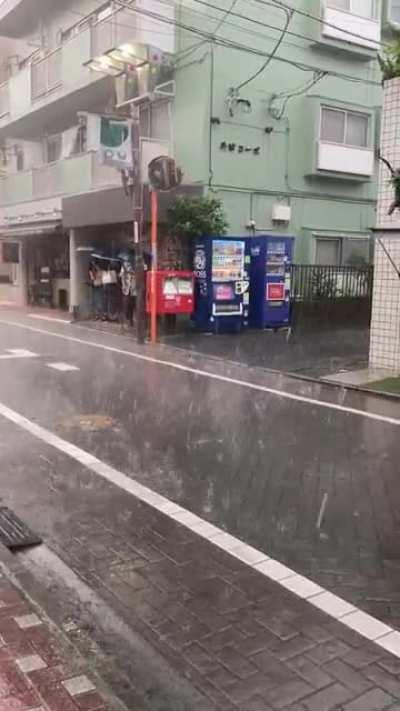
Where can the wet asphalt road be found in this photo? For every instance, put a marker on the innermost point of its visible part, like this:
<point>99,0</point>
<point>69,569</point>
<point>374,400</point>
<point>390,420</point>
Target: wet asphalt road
<point>316,488</point>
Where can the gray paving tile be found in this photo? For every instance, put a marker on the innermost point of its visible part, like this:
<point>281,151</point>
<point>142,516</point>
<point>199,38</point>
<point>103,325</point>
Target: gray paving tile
<point>375,700</point>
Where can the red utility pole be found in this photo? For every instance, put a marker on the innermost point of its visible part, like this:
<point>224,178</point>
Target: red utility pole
<point>137,210</point>
<point>153,276</point>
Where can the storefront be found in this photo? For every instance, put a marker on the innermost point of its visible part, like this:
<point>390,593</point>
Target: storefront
<point>48,271</point>
<point>100,223</point>
<point>10,273</point>
<point>34,266</point>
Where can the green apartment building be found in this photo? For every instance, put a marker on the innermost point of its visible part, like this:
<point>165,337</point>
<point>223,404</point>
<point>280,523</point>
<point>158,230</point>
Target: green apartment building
<point>271,105</point>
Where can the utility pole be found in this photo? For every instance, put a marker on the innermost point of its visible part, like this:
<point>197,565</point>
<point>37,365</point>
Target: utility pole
<point>137,214</point>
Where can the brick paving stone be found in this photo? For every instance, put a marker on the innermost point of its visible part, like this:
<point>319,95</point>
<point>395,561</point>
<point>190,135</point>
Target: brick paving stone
<point>390,664</point>
<point>256,704</point>
<point>236,663</point>
<point>245,643</point>
<point>90,702</point>
<point>292,647</point>
<point>384,680</point>
<point>200,659</point>
<point>359,658</point>
<point>276,671</point>
<point>282,696</point>
<point>329,698</point>
<point>374,700</point>
<point>244,690</point>
<point>315,675</point>
<point>262,641</point>
<point>322,653</point>
<point>229,636</point>
<point>222,678</point>
<point>78,685</point>
<point>348,676</point>
<point>32,668</point>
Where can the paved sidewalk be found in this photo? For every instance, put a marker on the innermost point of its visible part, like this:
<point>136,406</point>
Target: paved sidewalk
<point>33,672</point>
<point>242,639</point>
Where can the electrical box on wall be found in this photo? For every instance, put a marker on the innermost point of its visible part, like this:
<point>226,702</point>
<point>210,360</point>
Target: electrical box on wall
<point>281,213</point>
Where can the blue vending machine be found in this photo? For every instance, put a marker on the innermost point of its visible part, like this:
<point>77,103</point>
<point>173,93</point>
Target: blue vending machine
<point>221,284</point>
<point>271,258</point>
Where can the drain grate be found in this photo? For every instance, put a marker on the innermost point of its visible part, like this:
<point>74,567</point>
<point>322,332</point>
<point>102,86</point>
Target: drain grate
<point>14,534</point>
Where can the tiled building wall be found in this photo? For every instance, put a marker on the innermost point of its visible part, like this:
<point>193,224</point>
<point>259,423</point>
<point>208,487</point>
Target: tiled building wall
<point>385,323</point>
<point>390,149</point>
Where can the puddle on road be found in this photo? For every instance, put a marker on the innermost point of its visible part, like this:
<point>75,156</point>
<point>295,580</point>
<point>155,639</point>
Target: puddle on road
<point>89,423</point>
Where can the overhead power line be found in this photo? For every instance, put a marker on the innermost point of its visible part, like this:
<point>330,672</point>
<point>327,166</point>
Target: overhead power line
<point>269,59</point>
<point>319,19</point>
<point>211,37</point>
<point>230,44</point>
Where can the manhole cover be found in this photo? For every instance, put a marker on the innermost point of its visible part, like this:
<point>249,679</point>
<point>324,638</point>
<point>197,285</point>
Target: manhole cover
<point>14,533</point>
<point>89,423</point>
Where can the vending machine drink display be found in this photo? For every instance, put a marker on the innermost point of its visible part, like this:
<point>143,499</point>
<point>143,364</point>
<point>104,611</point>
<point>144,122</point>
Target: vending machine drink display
<point>222,284</point>
<point>270,284</point>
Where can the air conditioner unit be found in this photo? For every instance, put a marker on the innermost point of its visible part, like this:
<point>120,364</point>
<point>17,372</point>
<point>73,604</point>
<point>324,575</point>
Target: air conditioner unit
<point>145,83</point>
<point>281,213</point>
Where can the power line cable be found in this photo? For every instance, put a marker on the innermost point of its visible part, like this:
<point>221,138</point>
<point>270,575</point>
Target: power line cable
<point>276,4</point>
<point>253,20</point>
<point>230,44</point>
<point>320,20</point>
<point>211,37</point>
<point>286,96</point>
<point>269,59</point>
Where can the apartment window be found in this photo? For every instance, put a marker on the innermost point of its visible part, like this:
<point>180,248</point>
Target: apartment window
<point>347,128</point>
<point>53,148</point>
<point>342,251</point>
<point>363,8</point>
<point>328,252</point>
<point>394,10</point>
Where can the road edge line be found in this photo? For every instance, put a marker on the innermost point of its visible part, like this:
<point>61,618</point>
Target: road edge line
<point>385,636</point>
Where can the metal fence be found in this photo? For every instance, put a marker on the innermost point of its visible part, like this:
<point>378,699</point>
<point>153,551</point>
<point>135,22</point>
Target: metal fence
<point>311,283</point>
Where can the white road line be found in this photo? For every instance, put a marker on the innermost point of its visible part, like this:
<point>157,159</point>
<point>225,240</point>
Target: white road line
<point>39,317</point>
<point>62,367</point>
<point>15,353</point>
<point>367,626</point>
<point>215,376</point>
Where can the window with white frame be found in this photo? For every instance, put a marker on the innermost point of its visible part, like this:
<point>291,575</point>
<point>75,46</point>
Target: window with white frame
<point>362,8</point>
<point>394,11</point>
<point>347,128</point>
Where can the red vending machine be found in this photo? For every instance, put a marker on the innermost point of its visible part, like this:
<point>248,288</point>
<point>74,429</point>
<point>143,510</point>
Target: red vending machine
<point>174,290</point>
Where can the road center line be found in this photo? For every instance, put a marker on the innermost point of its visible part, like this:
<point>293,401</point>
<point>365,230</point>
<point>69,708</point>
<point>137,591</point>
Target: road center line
<point>367,626</point>
<point>215,376</point>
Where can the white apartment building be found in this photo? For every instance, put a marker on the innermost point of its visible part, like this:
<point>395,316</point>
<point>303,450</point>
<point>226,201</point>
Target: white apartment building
<point>55,195</point>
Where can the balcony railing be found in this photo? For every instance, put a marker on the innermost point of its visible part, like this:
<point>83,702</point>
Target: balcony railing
<point>116,29</point>
<point>78,174</point>
<point>70,176</point>
<point>46,74</point>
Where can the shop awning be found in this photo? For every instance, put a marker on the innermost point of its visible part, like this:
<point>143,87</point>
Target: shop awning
<point>23,231</point>
<point>112,206</point>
